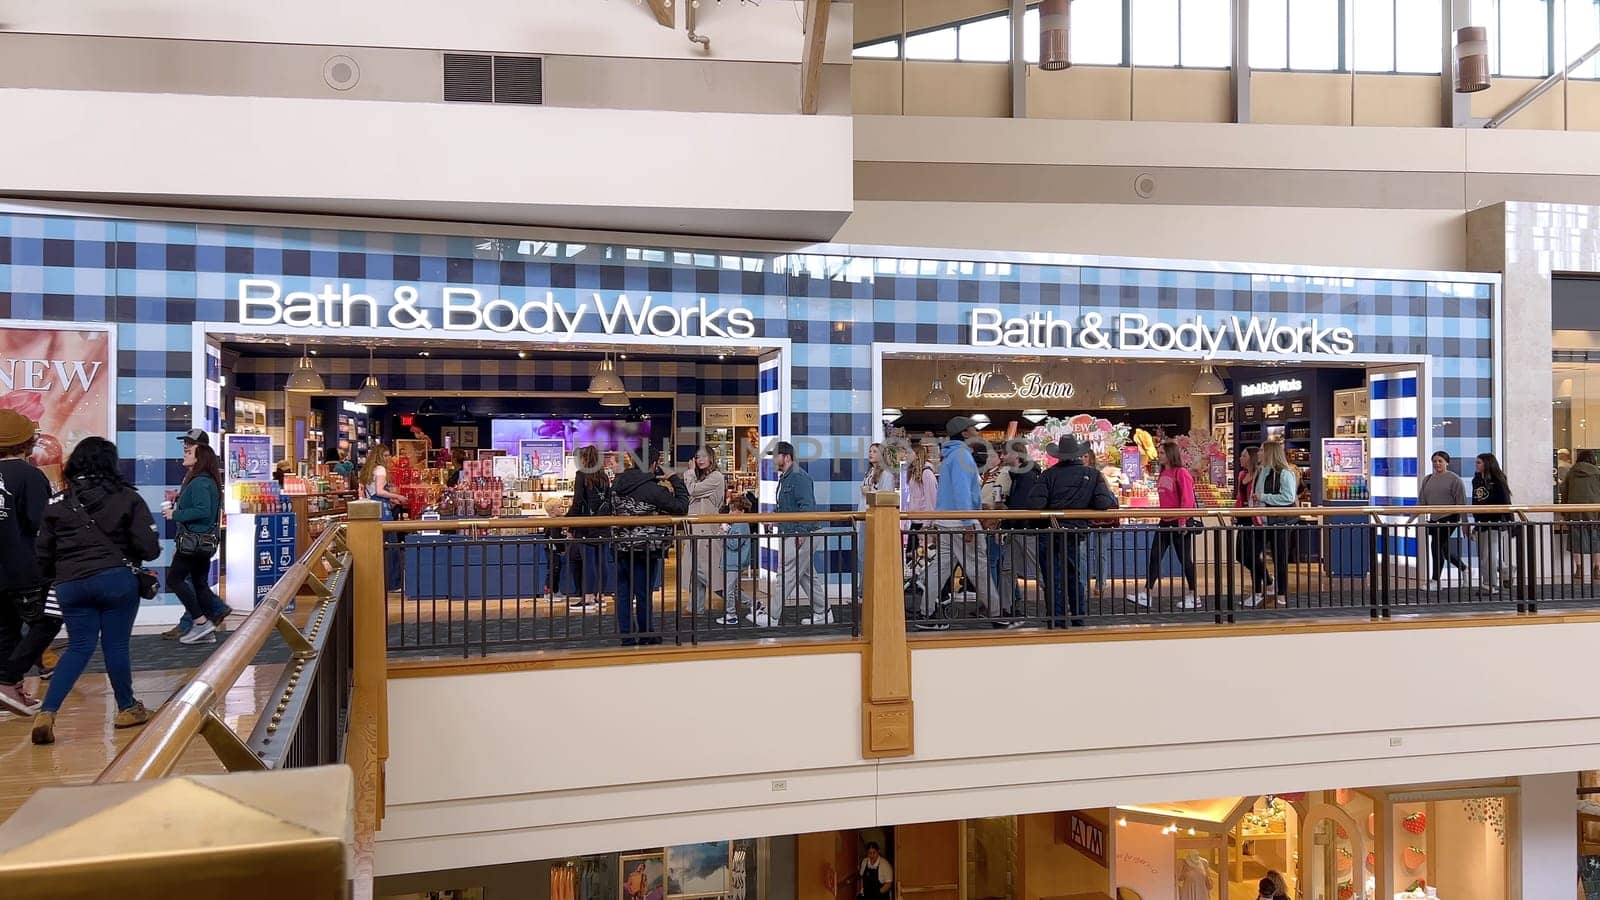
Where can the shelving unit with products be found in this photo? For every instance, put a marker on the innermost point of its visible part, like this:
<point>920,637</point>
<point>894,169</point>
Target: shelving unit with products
<point>1287,420</point>
<point>734,433</point>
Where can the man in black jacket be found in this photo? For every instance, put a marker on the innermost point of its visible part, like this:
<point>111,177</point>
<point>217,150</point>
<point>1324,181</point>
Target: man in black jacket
<point>1069,484</point>
<point>1022,487</point>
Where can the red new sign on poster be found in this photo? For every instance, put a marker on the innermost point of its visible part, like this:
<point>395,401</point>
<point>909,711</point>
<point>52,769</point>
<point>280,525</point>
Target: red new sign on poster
<point>60,378</point>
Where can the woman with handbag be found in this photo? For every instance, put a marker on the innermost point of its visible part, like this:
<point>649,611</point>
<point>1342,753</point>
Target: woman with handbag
<point>1175,486</point>
<point>641,548</point>
<point>94,536</point>
<point>198,515</point>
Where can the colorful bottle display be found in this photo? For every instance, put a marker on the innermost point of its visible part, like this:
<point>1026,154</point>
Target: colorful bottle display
<point>1345,487</point>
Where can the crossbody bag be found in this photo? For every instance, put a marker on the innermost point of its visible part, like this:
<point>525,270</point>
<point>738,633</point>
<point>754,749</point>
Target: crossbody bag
<point>149,584</point>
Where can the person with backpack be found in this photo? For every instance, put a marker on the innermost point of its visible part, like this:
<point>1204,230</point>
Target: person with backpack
<point>591,497</point>
<point>957,542</point>
<point>1069,485</point>
<point>24,490</point>
<point>93,536</point>
<point>198,515</point>
<point>1490,487</point>
<point>641,549</point>
<point>1175,487</point>
<point>1277,488</point>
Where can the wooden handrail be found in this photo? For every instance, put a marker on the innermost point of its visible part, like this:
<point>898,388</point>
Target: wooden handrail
<point>414,525</point>
<point>158,747</point>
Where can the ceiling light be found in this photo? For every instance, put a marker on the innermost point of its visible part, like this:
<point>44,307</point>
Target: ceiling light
<point>1113,398</point>
<point>605,380</point>
<point>465,417</point>
<point>522,354</point>
<point>1207,384</point>
<point>423,353</point>
<point>614,400</point>
<point>371,394</point>
<point>1035,415</point>
<point>980,419</point>
<point>938,397</point>
<point>890,415</point>
<point>305,379</point>
<point>999,382</point>
<point>427,408</point>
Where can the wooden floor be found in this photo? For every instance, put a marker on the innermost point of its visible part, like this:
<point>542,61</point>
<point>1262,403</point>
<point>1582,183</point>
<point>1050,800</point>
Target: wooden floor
<point>86,742</point>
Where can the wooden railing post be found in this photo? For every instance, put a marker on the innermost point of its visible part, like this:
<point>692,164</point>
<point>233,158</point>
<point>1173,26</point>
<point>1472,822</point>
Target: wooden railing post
<point>887,726</point>
<point>368,741</point>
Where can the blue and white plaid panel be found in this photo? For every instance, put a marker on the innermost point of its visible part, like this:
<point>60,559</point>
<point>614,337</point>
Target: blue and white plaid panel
<point>1396,445</point>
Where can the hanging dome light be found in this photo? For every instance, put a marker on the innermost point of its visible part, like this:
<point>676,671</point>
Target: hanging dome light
<point>1035,415</point>
<point>606,380</point>
<point>371,394</point>
<point>427,408</point>
<point>999,383</point>
<point>614,399</point>
<point>890,415</point>
<point>938,397</point>
<point>1207,384</point>
<point>305,379</point>
<point>464,417</point>
<point>1113,398</point>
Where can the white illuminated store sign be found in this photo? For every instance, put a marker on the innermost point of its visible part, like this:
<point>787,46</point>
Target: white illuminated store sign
<point>1031,386</point>
<point>989,327</point>
<point>264,302</point>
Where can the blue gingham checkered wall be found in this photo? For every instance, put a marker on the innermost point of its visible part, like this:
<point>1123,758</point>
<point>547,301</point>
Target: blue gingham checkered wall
<point>154,279</point>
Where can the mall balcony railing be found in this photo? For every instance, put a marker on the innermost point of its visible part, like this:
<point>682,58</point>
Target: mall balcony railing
<point>289,819</point>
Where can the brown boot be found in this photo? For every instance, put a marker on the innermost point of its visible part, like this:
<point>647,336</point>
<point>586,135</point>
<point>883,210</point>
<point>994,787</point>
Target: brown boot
<point>44,728</point>
<point>133,715</point>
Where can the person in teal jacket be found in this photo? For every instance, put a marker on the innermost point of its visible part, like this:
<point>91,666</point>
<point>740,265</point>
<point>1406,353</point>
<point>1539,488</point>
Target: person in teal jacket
<point>1277,486</point>
<point>199,509</point>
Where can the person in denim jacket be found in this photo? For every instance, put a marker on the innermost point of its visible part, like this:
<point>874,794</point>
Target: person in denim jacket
<point>798,574</point>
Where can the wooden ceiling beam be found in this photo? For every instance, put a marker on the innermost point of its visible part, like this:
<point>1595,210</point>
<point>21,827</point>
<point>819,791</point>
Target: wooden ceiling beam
<point>816,38</point>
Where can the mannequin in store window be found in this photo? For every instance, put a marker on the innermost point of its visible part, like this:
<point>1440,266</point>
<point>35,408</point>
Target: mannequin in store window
<point>1195,878</point>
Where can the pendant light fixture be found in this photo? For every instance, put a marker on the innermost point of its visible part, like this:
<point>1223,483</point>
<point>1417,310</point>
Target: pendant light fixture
<point>464,417</point>
<point>606,380</point>
<point>938,397</point>
<point>1035,415</point>
<point>1113,398</point>
<point>616,399</point>
<point>999,383</point>
<point>427,408</point>
<point>1207,384</point>
<point>890,415</point>
<point>305,379</point>
<point>371,394</point>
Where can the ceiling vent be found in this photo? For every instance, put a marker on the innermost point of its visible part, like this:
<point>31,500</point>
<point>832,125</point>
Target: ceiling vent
<point>481,78</point>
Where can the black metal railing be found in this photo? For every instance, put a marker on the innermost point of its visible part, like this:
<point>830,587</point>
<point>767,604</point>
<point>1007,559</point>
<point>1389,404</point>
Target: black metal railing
<point>464,588</point>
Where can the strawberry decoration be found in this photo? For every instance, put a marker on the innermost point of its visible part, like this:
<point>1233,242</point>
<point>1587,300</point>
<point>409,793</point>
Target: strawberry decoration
<point>1413,858</point>
<point>1347,891</point>
<point>1372,861</point>
<point>1416,823</point>
<point>1343,835</point>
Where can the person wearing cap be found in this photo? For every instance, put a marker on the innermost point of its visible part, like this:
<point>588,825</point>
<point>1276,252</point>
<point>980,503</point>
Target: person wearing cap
<point>798,574</point>
<point>25,629</point>
<point>956,541</point>
<point>1069,484</point>
<point>199,511</point>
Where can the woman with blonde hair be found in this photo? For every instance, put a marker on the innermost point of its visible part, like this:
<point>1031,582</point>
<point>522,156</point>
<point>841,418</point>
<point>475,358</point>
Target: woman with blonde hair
<point>375,480</point>
<point>1276,488</point>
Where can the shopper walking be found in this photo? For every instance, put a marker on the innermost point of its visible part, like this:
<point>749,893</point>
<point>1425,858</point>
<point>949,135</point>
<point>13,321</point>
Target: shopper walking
<point>957,542</point>
<point>1442,487</point>
<point>797,574</point>
<point>198,515</point>
<point>738,557</point>
<point>1023,488</point>
<point>1490,488</point>
<point>922,491</point>
<point>1175,487</point>
<point>26,628</point>
<point>1582,487</point>
<point>642,548</point>
<point>699,568</point>
<point>93,535</point>
<point>1070,485</point>
<point>1249,544</point>
<point>591,497</point>
<point>1276,488</point>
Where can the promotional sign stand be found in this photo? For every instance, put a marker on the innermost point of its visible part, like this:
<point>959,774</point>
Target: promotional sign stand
<point>261,529</point>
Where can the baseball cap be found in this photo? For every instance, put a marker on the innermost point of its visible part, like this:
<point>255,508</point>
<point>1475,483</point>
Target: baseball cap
<point>195,436</point>
<point>781,448</point>
<point>955,426</point>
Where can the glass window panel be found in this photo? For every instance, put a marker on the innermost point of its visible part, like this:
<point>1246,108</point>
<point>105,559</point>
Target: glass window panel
<point>1369,34</point>
<point>1207,33</point>
<point>1418,30</point>
<point>1030,35</point>
<point>1583,32</point>
<point>1524,37</point>
<point>889,49</point>
<point>986,40</point>
<point>1314,35</point>
<point>1486,13</point>
<point>1154,31</point>
<point>939,44</point>
<point>1096,35</point>
<point>1268,34</point>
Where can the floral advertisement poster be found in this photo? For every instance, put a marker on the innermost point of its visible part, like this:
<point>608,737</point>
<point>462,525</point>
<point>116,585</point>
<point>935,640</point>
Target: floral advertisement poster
<point>62,379</point>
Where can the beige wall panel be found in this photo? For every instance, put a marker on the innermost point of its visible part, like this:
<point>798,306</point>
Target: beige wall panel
<point>957,89</point>
<point>1397,238</point>
<point>875,18</point>
<point>1182,95</point>
<point>1544,114</point>
<point>1081,92</point>
<point>1583,106</point>
<point>928,13</point>
<point>875,87</point>
<point>1300,98</point>
<point>1507,150</point>
<point>1411,100</point>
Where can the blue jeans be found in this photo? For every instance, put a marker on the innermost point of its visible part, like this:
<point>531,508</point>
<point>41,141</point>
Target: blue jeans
<point>1064,560</point>
<point>99,608</point>
<point>636,575</point>
<point>997,558</point>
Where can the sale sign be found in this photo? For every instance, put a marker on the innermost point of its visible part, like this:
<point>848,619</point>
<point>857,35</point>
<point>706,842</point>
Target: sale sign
<point>61,378</point>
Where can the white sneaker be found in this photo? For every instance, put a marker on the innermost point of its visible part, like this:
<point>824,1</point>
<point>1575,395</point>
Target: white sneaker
<point>1253,601</point>
<point>732,618</point>
<point>827,619</point>
<point>1190,601</point>
<point>1140,598</point>
<point>760,618</point>
<point>200,633</point>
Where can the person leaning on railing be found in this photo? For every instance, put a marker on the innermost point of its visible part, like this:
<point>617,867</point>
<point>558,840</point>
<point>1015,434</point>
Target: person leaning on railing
<point>641,549</point>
